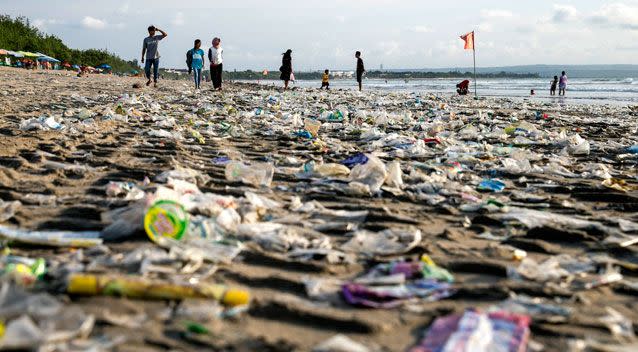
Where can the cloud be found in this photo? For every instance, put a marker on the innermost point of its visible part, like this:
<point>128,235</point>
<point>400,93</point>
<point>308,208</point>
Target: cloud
<point>124,8</point>
<point>93,23</point>
<point>485,27</point>
<point>42,24</point>
<point>388,48</point>
<point>495,13</point>
<point>422,29</point>
<point>564,13</point>
<point>616,15</point>
<point>179,19</point>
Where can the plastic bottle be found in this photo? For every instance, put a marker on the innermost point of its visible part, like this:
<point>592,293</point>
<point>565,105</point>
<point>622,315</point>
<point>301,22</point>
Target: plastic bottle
<point>256,175</point>
<point>136,287</point>
<point>312,126</point>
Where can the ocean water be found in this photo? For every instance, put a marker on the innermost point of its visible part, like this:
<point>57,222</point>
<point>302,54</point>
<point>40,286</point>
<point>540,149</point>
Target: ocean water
<point>579,90</point>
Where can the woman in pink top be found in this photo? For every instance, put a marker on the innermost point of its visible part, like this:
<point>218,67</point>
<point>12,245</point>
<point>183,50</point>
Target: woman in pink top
<point>562,84</point>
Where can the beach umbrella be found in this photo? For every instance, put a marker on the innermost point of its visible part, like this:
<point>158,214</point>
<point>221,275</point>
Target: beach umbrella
<point>28,54</point>
<point>77,67</point>
<point>48,58</point>
<point>104,67</point>
<point>3,52</point>
<point>66,64</point>
<point>14,54</point>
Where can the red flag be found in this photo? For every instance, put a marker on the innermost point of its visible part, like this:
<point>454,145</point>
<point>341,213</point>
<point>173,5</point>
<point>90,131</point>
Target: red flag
<point>469,40</point>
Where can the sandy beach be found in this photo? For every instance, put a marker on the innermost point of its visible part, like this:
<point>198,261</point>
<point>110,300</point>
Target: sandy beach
<point>520,201</point>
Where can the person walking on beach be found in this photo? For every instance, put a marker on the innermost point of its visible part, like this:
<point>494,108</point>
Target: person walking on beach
<point>151,53</point>
<point>562,84</point>
<point>216,59</point>
<point>360,69</point>
<point>195,62</point>
<point>553,84</point>
<point>286,68</point>
<point>325,80</point>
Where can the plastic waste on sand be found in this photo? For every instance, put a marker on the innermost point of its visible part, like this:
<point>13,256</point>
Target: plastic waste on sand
<point>354,160</point>
<point>255,174</point>
<point>477,332</point>
<point>133,287</point>
<point>52,238</point>
<point>41,123</point>
<point>391,285</point>
<point>312,126</point>
<point>387,242</point>
<point>166,218</point>
<point>37,320</point>
<point>340,343</point>
<point>331,170</point>
<point>491,185</point>
<point>372,174</point>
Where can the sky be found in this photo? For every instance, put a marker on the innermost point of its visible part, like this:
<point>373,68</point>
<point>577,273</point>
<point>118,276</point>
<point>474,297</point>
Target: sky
<point>326,33</point>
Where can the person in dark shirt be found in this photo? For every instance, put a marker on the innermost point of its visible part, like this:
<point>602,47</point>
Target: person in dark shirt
<point>286,68</point>
<point>552,87</point>
<point>463,88</point>
<point>360,69</point>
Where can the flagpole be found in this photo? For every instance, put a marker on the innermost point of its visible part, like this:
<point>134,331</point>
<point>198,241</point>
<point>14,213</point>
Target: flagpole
<point>474,55</point>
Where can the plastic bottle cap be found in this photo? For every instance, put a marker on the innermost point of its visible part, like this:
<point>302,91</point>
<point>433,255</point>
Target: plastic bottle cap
<point>166,219</point>
<point>235,297</point>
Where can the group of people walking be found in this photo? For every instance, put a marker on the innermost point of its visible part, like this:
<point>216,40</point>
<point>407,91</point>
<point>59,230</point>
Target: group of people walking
<point>195,60</point>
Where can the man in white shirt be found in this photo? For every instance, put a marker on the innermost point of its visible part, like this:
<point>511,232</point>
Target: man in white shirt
<point>215,56</point>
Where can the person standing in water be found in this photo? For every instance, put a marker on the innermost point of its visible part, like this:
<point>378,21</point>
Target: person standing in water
<point>562,84</point>
<point>151,53</point>
<point>196,62</point>
<point>216,59</point>
<point>286,68</point>
<point>325,80</point>
<point>360,69</point>
<point>553,84</point>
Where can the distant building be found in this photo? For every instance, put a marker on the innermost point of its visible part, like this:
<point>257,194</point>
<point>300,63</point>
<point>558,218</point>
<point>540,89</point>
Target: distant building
<point>381,67</point>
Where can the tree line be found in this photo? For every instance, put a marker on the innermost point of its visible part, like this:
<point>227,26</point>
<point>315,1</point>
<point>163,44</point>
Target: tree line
<point>18,34</point>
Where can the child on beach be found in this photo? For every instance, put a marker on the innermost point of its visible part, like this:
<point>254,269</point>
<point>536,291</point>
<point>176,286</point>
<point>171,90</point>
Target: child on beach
<point>562,84</point>
<point>195,62</point>
<point>360,69</point>
<point>552,88</point>
<point>325,80</point>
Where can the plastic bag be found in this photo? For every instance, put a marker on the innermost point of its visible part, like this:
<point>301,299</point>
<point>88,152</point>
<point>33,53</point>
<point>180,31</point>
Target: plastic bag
<point>256,174</point>
<point>394,177</point>
<point>371,174</point>
<point>312,126</point>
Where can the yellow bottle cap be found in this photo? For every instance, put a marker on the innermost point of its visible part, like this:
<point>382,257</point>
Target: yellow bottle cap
<point>235,297</point>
